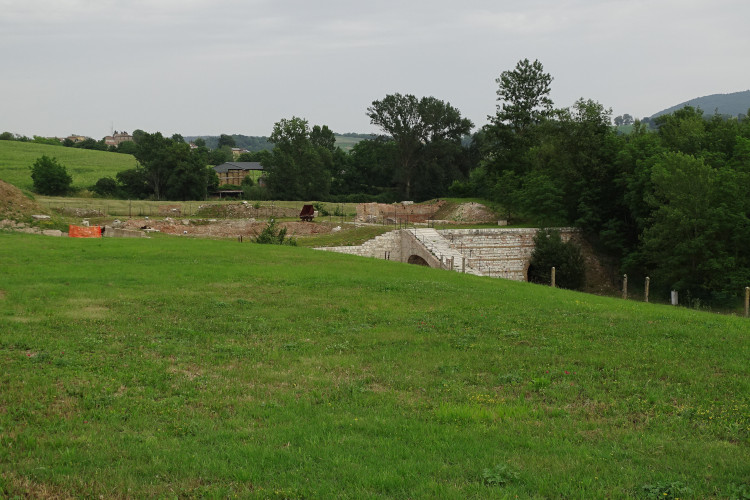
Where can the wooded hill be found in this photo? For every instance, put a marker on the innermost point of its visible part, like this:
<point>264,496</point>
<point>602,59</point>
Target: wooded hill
<point>734,104</point>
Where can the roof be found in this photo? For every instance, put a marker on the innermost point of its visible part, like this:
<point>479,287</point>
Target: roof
<point>238,165</point>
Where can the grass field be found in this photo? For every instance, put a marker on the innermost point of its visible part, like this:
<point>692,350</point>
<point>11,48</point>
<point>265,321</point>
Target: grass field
<point>201,368</point>
<point>85,166</point>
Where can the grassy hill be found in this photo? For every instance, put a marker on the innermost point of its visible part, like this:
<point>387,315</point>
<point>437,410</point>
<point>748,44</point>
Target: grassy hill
<point>197,368</point>
<point>85,166</point>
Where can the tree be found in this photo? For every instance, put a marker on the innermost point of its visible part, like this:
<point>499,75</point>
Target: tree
<point>413,123</point>
<point>297,169</point>
<point>106,186</point>
<point>323,137</point>
<point>550,251</point>
<point>524,96</point>
<point>226,140</point>
<point>697,242</point>
<point>50,177</point>
<point>133,183</point>
<point>172,169</point>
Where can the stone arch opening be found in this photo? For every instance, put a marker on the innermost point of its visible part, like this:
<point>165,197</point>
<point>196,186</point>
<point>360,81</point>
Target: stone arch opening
<point>417,260</point>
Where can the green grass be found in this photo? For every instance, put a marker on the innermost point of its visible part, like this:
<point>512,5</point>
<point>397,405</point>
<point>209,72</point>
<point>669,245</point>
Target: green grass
<point>85,166</point>
<point>199,368</point>
<point>347,143</point>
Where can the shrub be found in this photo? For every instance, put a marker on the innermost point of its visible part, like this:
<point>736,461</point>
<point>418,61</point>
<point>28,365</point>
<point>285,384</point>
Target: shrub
<point>50,177</point>
<point>550,251</point>
<point>273,235</point>
<point>106,186</point>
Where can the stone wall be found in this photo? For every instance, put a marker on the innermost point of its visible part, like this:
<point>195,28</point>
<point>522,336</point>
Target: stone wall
<point>376,247</point>
<point>500,253</point>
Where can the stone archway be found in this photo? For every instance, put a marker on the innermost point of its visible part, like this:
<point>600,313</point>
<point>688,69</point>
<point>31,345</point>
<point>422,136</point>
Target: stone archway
<point>417,260</point>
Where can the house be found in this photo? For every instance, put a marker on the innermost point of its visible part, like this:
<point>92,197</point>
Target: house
<point>234,172</point>
<point>236,152</point>
<point>117,138</point>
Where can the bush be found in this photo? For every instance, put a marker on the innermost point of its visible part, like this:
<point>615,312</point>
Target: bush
<point>106,186</point>
<point>50,177</point>
<point>550,251</point>
<point>273,235</point>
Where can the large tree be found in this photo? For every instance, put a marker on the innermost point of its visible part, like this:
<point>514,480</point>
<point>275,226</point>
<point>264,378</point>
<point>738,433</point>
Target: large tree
<point>297,168</point>
<point>413,123</point>
<point>171,169</point>
<point>523,94</point>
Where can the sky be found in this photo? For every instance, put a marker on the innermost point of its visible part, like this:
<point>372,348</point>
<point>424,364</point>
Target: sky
<point>207,67</point>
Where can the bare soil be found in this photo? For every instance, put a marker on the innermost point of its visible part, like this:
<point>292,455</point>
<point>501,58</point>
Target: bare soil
<point>470,213</point>
<point>15,206</point>
<point>223,228</point>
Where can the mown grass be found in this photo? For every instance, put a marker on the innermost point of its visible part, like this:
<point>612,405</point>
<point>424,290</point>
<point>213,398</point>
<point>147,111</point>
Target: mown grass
<point>199,368</point>
<point>85,166</point>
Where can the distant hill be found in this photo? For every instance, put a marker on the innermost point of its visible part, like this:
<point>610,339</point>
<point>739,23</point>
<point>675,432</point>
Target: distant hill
<point>734,104</point>
<point>260,143</point>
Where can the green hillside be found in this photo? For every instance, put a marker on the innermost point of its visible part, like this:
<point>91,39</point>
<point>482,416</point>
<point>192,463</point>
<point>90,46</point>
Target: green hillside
<point>733,104</point>
<point>183,368</point>
<point>84,165</point>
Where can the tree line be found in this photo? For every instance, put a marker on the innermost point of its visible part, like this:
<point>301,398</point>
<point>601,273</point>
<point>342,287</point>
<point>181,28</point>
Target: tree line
<point>671,203</point>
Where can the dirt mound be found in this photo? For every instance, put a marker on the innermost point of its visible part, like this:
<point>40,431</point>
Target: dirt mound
<point>229,228</point>
<point>471,212</point>
<point>14,205</point>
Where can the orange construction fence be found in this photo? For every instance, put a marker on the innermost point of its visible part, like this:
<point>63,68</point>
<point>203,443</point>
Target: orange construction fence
<point>84,232</point>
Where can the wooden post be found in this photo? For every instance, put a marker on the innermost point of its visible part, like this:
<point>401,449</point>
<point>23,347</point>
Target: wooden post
<point>624,286</point>
<point>648,284</point>
<point>747,301</point>
<point>552,275</point>
<point>463,265</point>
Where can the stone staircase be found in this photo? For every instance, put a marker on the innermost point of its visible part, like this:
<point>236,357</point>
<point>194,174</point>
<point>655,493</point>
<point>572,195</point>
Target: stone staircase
<point>441,248</point>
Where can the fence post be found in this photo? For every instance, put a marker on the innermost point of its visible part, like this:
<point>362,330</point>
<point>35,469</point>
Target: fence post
<point>747,301</point>
<point>552,276</point>
<point>624,286</point>
<point>463,265</point>
<point>675,297</point>
<point>648,284</point>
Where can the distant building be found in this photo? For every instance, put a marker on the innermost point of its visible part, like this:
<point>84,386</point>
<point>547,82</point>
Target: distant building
<point>117,138</point>
<point>236,152</point>
<point>234,172</point>
<point>76,138</point>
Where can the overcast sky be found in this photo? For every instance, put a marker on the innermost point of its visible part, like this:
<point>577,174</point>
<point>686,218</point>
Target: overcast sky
<point>205,67</point>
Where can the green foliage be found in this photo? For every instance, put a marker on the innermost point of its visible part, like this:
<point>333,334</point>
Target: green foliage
<point>50,177</point>
<point>550,251</point>
<point>524,95</point>
<point>106,186</point>
<point>427,133</point>
<point>700,231</point>
<point>274,235</point>
<point>499,475</point>
<point>298,168</point>
<point>669,490</point>
<point>171,169</point>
